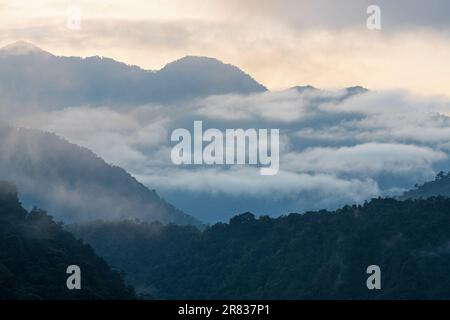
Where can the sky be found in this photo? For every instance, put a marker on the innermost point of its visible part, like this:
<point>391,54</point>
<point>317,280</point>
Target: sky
<point>280,43</point>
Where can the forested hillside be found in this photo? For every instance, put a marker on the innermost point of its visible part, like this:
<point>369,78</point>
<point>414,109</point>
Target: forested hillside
<point>35,253</point>
<point>313,255</point>
<point>74,184</point>
<point>440,186</point>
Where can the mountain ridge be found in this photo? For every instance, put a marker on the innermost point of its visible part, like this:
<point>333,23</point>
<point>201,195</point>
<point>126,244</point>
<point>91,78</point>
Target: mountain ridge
<point>440,186</point>
<point>76,184</point>
<point>23,47</point>
<point>35,253</point>
<point>59,81</point>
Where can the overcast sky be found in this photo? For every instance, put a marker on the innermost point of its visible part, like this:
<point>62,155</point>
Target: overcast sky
<point>281,43</point>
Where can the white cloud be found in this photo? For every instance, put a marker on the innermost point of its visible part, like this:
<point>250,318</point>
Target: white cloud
<point>247,181</point>
<point>366,159</point>
<point>283,106</point>
<point>333,151</point>
<point>123,138</point>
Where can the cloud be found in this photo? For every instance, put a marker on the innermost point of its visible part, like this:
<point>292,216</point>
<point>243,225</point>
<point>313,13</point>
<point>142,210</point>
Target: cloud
<point>336,147</point>
<point>366,159</point>
<point>122,138</point>
<point>334,150</point>
<point>392,116</point>
<point>343,14</point>
<point>284,106</point>
<point>247,181</point>
<point>280,43</point>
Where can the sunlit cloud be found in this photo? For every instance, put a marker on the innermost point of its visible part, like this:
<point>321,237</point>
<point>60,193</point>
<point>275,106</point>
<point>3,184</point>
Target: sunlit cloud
<point>280,43</point>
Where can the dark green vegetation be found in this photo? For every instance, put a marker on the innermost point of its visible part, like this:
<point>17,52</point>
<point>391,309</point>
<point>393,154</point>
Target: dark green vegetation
<point>35,253</point>
<point>314,255</point>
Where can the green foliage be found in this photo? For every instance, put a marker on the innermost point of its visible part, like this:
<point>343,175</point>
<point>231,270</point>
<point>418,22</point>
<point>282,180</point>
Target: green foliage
<point>35,253</point>
<point>313,255</point>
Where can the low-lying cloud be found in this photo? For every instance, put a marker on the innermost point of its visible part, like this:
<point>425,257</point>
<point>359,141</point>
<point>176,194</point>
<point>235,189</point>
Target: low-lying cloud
<point>335,148</point>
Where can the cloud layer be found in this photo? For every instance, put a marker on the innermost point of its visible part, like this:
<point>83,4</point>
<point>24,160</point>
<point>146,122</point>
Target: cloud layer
<point>335,149</point>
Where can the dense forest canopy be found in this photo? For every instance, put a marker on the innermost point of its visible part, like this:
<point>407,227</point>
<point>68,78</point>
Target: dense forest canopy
<point>35,253</point>
<point>314,255</point>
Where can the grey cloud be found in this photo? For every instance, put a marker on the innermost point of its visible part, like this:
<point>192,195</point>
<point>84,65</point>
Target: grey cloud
<point>243,181</point>
<point>73,183</point>
<point>396,14</point>
<point>125,138</point>
<point>366,159</point>
<point>335,148</point>
<point>287,106</point>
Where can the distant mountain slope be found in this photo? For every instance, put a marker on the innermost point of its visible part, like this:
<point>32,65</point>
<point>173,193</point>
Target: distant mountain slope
<point>31,77</point>
<point>35,253</point>
<point>349,91</point>
<point>440,186</point>
<point>316,255</point>
<point>200,77</point>
<point>74,184</point>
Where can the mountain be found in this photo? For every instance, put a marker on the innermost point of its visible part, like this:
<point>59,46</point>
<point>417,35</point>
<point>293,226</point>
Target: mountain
<point>22,48</point>
<point>440,186</point>
<point>349,91</point>
<point>35,253</point>
<point>302,89</point>
<point>201,77</point>
<point>355,90</point>
<point>74,184</point>
<point>31,77</point>
<point>316,255</point>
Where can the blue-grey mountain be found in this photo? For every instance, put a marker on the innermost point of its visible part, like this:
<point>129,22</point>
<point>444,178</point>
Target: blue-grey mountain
<point>31,77</point>
<point>74,184</point>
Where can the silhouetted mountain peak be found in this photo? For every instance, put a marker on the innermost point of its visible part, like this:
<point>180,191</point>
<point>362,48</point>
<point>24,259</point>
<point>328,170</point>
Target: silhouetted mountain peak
<point>302,89</point>
<point>99,80</point>
<point>22,48</point>
<point>353,90</point>
<point>194,62</point>
<point>200,71</point>
<point>356,90</point>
